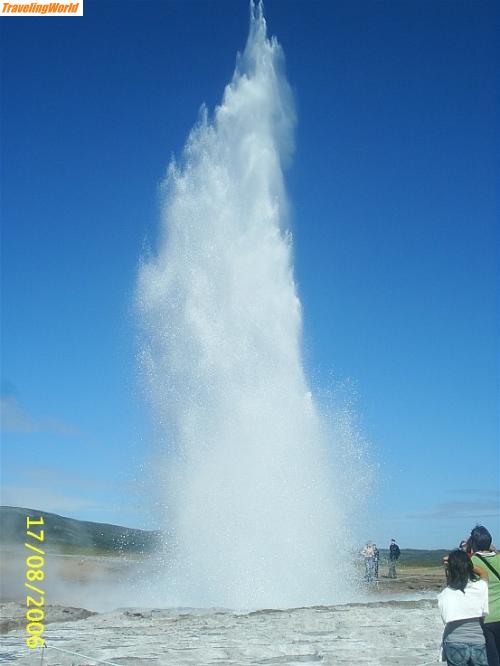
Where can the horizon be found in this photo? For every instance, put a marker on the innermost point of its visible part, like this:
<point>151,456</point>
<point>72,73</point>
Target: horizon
<point>159,529</point>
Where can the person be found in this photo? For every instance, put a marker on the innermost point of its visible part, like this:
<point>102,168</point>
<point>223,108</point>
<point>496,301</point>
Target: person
<point>376,559</point>
<point>462,605</point>
<point>394,554</point>
<point>369,555</point>
<point>463,545</point>
<point>487,560</point>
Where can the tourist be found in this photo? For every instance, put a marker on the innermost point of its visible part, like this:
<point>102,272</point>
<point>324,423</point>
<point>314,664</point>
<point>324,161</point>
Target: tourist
<point>376,558</point>
<point>394,553</point>
<point>463,545</point>
<point>462,604</point>
<point>369,555</point>
<point>485,559</point>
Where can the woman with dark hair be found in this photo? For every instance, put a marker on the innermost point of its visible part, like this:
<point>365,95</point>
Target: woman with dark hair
<point>487,560</point>
<point>462,604</point>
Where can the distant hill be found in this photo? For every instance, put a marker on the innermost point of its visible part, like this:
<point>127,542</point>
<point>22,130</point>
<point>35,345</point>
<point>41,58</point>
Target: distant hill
<point>416,557</point>
<point>69,535</point>
<point>79,536</point>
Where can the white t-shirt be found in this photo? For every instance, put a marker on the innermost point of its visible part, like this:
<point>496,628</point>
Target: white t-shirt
<point>458,605</point>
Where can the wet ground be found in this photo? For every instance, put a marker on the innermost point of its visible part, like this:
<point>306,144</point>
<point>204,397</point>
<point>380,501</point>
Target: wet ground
<point>394,622</point>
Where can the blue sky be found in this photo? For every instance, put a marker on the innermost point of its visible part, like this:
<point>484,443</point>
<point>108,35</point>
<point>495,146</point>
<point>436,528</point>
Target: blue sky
<point>393,212</point>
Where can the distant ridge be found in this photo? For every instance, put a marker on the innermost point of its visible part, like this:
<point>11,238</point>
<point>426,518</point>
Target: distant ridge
<point>78,536</point>
<point>417,557</point>
<point>69,535</point>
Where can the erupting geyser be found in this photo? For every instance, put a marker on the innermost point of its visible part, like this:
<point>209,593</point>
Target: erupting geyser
<point>250,487</point>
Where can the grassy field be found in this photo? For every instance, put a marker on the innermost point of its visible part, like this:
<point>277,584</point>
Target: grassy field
<point>412,557</point>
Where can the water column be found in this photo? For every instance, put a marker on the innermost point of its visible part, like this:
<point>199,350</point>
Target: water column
<point>253,515</point>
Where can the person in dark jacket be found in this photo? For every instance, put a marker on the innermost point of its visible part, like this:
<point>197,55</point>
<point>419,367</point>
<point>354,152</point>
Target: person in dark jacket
<point>394,553</point>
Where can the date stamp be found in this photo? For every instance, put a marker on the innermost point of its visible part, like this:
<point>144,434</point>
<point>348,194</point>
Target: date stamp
<point>35,575</point>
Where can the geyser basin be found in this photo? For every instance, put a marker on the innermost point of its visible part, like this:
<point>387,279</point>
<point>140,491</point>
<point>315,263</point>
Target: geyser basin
<point>255,514</point>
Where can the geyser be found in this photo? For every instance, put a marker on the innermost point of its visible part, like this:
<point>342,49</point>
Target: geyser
<point>254,514</point>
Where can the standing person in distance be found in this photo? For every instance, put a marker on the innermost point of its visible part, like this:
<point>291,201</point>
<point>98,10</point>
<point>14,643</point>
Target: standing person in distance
<point>463,604</point>
<point>368,555</point>
<point>486,559</point>
<point>394,553</point>
<point>376,559</point>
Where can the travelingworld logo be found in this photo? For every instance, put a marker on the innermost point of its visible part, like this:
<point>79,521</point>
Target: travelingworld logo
<point>61,8</point>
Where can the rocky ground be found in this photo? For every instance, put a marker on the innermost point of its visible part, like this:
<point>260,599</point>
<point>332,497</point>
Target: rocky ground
<point>380,633</point>
<point>12,615</point>
<point>394,622</point>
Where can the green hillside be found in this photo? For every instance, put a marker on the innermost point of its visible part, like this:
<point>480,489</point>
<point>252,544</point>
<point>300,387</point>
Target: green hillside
<point>417,558</point>
<point>75,536</point>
